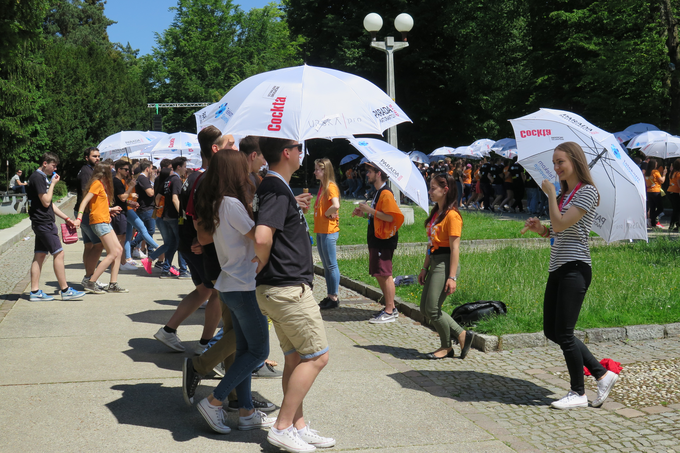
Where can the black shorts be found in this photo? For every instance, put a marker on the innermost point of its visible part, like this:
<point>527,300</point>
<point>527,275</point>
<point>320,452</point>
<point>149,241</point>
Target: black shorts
<point>119,224</point>
<point>508,186</point>
<point>195,263</point>
<point>47,239</point>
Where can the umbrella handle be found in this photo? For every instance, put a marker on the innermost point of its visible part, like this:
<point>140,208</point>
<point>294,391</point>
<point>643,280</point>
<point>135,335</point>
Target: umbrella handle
<point>524,230</point>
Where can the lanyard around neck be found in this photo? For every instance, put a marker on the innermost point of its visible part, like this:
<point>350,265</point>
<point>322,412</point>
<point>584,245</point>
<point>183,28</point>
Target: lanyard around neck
<point>571,195</point>
<point>273,173</point>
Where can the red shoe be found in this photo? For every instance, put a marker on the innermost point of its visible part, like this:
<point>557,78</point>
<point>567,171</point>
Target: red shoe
<point>174,271</point>
<point>146,262</point>
<point>658,225</point>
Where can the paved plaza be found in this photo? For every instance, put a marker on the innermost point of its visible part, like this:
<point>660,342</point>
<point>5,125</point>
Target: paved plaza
<point>89,376</point>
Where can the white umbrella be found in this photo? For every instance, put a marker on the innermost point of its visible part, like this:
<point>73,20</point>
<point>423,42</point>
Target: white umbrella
<point>302,103</point>
<point>657,143</point>
<point>175,145</point>
<point>621,213</point>
<point>419,157</point>
<point>624,136</point>
<point>482,147</point>
<point>639,128</point>
<point>122,143</point>
<point>401,170</point>
<point>466,151</point>
<point>349,158</point>
<point>443,151</point>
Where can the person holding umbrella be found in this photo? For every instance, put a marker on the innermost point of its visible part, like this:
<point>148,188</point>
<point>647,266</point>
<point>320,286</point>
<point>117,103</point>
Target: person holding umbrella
<point>440,271</point>
<point>570,274</point>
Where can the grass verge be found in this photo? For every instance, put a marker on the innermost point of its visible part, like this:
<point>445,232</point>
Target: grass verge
<point>632,284</point>
<point>9,220</point>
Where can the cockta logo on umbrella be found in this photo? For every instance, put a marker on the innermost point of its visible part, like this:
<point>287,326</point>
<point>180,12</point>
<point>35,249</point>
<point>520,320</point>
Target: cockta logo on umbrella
<point>172,143</point>
<point>535,133</point>
<point>277,114</point>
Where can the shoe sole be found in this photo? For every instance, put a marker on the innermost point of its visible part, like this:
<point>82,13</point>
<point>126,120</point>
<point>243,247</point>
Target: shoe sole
<point>169,345</point>
<point>597,403</point>
<point>187,399</point>
<point>42,299</point>
<point>279,444</point>
<point>251,427</point>
<point>569,407</point>
<point>210,422</point>
<point>265,410</point>
<point>382,322</point>
<point>72,298</point>
<point>93,291</point>
<point>324,444</point>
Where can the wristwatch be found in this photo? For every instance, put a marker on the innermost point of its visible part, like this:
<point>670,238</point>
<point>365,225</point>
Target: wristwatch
<point>453,278</point>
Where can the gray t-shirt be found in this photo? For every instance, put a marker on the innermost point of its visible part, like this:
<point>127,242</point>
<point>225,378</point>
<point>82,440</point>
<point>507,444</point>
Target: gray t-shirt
<point>572,243</point>
<point>14,181</point>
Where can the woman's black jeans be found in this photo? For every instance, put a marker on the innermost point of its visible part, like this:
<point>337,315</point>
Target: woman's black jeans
<point>564,294</point>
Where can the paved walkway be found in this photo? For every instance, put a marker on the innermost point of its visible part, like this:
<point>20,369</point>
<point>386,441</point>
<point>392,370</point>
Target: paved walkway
<point>88,376</point>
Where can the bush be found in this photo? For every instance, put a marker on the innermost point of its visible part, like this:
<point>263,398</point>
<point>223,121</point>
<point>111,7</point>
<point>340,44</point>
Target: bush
<point>60,190</point>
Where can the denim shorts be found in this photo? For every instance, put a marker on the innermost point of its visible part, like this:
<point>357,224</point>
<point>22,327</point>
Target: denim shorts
<point>101,229</point>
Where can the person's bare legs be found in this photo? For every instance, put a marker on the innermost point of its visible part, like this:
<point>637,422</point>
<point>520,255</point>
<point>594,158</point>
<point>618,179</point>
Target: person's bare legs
<point>36,269</point>
<point>91,255</point>
<point>113,253</point>
<point>193,300</point>
<point>213,314</point>
<point>298,377</point>
<point>387,287</point>
<point>59,270</point>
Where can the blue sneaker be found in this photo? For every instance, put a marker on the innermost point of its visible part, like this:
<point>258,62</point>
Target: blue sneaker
<point>71,294</point>
<point>40,295</point>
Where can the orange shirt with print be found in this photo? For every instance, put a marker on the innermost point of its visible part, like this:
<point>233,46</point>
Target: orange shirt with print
<point>506,171</point>
<point>653,182</point>
<point>99,205</point>
<point>674,184</point>
<point>467,176</point>
<point>323,224</point>
<point>439,234</point>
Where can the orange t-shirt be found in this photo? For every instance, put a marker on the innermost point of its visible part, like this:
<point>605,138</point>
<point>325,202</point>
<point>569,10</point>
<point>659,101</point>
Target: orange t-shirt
<point>439,234</point>
<point>467,176</point>
<point>674,184</point>
<point>506,171</point>
<point>323,224</point>
<point>99,205</point>
<point>653,182</point>
<point>478,176</point>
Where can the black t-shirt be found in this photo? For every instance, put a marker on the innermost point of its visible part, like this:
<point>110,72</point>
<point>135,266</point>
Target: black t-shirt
<point>83,178</point>
<point>484,171</point>
<point>516,173</point>
<point>530,182</point>
<point>38,184</point>
<point>119,189</point>
<point>173,186</point>
<point>372,241</point>
<point>497,172</point>
<point>145,201</point>
<point>187,232</point>
<point>290,260</point>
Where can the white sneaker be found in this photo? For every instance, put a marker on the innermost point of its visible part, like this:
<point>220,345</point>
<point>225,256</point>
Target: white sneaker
<point>200,348</point>
<point>571,401</point>
<point>170,340</point>
<point>129,266</point>
<point>256,420</point>
<point>604,386</point>
<point>214,416</point>
<point>312,437</point>
<point>138,254</point>
<point>289,440</point>
<point>219,369</point>
<point>383,317</point>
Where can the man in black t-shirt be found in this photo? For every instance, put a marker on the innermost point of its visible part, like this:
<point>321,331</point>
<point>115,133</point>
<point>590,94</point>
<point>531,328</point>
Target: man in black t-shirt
<point>145,198</point>
<point>92,245</point>
<point>42,211</point>
<point>497,174</point>
<point>517,174</point>
<point>284,281</point>
<point>485,183</point>
<point>171,191</point>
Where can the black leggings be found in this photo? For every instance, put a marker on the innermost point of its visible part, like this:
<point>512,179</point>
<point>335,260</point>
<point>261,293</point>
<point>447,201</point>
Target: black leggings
<point>675,202</point>
<point>654,206</point>
<point>564,294</point>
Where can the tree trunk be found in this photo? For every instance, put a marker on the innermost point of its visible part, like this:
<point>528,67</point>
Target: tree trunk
<point>671,25</point>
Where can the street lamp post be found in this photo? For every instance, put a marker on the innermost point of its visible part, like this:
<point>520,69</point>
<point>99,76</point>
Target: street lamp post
<point>403,23</point>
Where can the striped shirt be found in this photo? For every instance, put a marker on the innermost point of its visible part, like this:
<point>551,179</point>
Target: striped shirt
<point>572,243</point>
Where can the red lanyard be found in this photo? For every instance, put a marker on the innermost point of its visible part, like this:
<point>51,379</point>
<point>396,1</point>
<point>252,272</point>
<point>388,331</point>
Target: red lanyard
<point>562,203</point>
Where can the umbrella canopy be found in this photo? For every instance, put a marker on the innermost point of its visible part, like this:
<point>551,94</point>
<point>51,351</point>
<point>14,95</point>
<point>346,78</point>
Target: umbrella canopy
<point>397,165</point>
<point>301,103</point>
<point>466,151</point>
<point>621,213</point>
<point>482,147</point>
<point>417,156</point>
<point>349,158</point>
<point>504,144</point>
<point>175,145</point>
<point>657,144</point>
<point>443,151</point>
<point>122,143</point>
<point>624,136</point>
<point>436,158</point>
<point>639,128</point>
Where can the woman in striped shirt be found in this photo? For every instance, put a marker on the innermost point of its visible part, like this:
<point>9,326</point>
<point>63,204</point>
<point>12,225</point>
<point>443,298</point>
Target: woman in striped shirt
<point>571,218</point>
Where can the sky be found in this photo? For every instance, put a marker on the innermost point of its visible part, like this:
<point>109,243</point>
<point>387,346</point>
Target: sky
<point>139,19</point>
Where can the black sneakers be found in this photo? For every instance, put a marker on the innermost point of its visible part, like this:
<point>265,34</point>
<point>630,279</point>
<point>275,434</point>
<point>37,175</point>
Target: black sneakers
<point>263,406</point>
<point>266,372</point>
<point>328,303</point>
<point>190,380</point>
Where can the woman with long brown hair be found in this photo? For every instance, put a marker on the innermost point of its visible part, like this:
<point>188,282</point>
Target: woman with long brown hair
<point>327,229</point>
<point>439,275</point>
<point>100,199</point>
<point>225,217</point>
<point>570,273</point>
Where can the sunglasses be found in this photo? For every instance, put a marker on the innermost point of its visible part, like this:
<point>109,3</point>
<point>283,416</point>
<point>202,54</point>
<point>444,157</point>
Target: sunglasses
<point>298,146</point>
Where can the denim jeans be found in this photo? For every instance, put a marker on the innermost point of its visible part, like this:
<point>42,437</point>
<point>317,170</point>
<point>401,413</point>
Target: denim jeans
<point>252,346</point>
<point>564,294</point>
<point>325,244</point>
<point>149,223</point>
<point>532,199</point>
<point>170,231</point>
<point>134,221</point>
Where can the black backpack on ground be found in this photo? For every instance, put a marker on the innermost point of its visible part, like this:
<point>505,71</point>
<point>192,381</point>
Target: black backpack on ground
<point>468,314</point>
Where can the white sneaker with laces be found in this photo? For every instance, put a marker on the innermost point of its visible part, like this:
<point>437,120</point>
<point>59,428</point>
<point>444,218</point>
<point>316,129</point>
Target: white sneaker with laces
<point>200,348</point>
<point>312,437</point>
<point>257,420</point>
<point>170,340</point>
<point>129,266</point>
<point>604,386</point>
<point>289,440</point>
<point>138,254</point>
<point>383,317</point>
<point>214,416</point>
<point>571,401</point>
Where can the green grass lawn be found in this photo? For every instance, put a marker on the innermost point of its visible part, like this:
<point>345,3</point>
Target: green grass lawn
<point>475,226</point>
<point>632,284</point>
<point>9,220</point>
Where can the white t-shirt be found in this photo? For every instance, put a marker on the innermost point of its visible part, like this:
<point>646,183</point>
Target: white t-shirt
<point>234,250</point>
<point>14,182</point>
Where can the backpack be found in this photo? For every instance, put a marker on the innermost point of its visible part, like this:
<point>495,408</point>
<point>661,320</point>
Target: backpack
<point>468,314</point>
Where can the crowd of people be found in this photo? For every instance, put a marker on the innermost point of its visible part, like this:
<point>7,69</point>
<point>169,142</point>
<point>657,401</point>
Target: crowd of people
<point>244,241</point>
